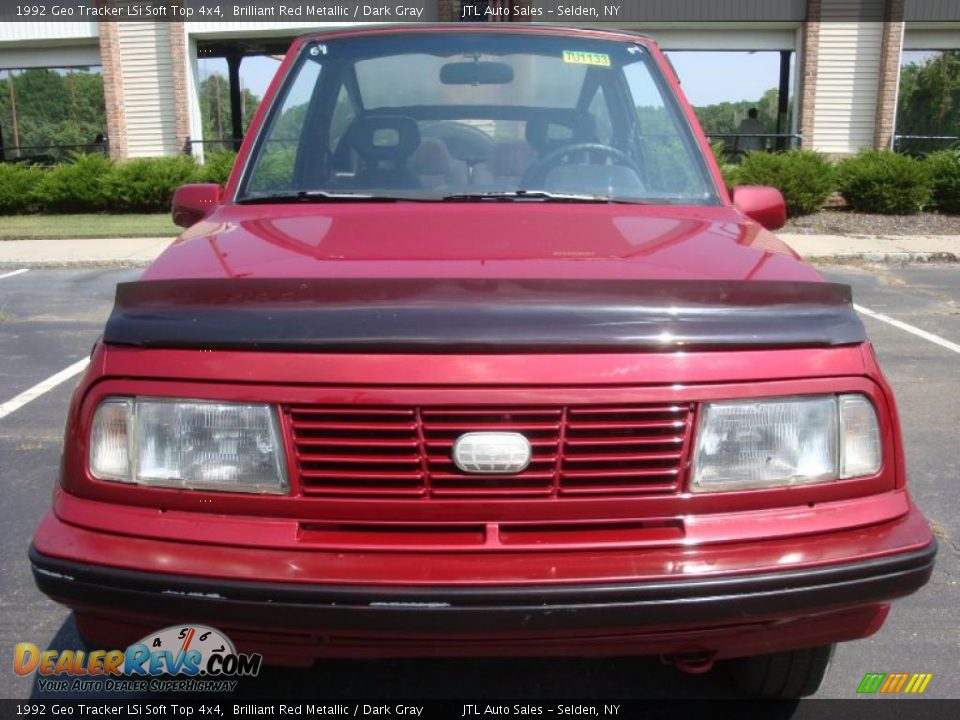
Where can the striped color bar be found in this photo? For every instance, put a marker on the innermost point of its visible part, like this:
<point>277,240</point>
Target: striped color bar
<point>894,683</point>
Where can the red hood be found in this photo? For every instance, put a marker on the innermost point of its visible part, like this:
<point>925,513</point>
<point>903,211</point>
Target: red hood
<point>478,240</point>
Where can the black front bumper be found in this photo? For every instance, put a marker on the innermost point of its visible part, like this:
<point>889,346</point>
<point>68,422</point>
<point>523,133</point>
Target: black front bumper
<point>500,608</point>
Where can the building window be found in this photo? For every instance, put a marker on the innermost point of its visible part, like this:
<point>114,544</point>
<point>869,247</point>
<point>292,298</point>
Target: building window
<point>724,86</point>
<point>255,74</point>
<point>928,103</point>
<point>46,114</point>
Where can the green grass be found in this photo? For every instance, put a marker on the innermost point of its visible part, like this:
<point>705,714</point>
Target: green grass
<point>55,227</point>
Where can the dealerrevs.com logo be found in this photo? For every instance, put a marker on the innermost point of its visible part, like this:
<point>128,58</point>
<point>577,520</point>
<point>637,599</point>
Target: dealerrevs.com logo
<point>180,658</point>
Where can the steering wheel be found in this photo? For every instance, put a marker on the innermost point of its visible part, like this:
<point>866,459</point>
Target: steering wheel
<point>536,174</point>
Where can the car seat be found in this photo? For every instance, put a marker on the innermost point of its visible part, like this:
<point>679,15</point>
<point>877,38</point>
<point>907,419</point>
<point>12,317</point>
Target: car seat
<point>510,161</point>
<point>546,134</point>
<point>435,167</point>
<point>384,143</point>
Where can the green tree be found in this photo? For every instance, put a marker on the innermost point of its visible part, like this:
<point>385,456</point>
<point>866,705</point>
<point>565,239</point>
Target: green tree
<point>724,118</point>
<point>929,99</point>
<point>45,106</point>
<point>215,107</point>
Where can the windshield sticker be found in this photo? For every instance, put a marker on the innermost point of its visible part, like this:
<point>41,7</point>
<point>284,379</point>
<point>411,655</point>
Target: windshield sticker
<point>586,58</point>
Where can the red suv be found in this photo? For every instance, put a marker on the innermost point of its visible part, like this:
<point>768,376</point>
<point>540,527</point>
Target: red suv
<point>475,355</point>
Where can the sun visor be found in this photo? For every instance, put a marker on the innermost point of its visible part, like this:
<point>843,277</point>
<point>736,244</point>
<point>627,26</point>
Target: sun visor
<point>481,316</point>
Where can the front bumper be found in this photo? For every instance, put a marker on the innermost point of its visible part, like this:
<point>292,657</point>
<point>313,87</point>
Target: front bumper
<point>725,600</point>
<point>495,609</point>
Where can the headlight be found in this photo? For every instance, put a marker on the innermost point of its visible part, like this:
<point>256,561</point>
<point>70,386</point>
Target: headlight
<point>788,441</point>
<point>188,444</point>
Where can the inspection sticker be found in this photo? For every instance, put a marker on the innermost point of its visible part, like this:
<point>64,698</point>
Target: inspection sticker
<point>586,58</point>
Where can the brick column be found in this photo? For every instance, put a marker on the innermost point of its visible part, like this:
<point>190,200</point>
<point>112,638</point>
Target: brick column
<point>809,57</point>
<point>113,89</point>
<point>178,70</point>
<point>889,74</point>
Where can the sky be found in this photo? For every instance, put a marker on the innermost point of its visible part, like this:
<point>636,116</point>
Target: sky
<point>706,77</point>
<point>256,72</point>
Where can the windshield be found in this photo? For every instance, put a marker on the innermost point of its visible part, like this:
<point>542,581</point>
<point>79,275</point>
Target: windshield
<point>486,116</point>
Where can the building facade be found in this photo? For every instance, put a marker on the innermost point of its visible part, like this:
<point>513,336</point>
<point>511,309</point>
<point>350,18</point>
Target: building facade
<point>841,58</point>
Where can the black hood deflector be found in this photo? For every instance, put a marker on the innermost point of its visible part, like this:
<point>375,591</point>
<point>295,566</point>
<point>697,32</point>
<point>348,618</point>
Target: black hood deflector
<point>481,316</point>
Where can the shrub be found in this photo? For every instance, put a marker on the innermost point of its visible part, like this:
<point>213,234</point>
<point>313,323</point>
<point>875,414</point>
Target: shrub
<point>731,175</point>
<point>944,170</point>
<point>882,181</point>
<point>274,170</point>
<point>719,150</point>
<point>729,171</point>
<point>76,186</point>
<point>805,178</point>
<point>216,167</point>
<point>148,184</point>
<point>18,188</point>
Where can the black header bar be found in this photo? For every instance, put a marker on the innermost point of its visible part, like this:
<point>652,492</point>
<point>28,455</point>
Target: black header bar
<point>236,705</point>
<point>569,12</point>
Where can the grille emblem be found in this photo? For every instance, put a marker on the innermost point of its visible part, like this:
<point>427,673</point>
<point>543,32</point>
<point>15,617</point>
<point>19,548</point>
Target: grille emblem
<point>498,453</point>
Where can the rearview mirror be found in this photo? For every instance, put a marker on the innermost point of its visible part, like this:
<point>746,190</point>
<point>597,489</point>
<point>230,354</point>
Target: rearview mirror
<point>763,204</point>
<point>476,73</point>
<point>192,203</point>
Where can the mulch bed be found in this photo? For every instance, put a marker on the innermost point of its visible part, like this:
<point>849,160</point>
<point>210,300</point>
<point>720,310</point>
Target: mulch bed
<point>847,222</point>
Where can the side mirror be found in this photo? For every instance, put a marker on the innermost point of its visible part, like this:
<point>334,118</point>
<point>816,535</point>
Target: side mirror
<point>192,203</point>
<point>763,204</point>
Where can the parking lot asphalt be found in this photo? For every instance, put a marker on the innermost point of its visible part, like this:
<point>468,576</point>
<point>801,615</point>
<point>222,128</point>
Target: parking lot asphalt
<point>49,318</point>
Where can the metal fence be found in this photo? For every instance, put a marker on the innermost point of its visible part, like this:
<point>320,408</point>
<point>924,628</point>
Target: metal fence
<point>217,145</point>
<point>920,145</point>
<point>44,155</point>
<point>736,144</point>
<point>768,142</point>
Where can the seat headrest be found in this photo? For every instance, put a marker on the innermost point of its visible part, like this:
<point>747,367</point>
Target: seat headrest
<point>384,137</point>
<point>512,157</point>
<point>431,158</point>
<point>579,129</point>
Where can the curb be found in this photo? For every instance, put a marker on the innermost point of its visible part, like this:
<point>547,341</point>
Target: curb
<point>892,258</point>
<point>102,252</point>
<point>842,258</point>
<point>72,264</point>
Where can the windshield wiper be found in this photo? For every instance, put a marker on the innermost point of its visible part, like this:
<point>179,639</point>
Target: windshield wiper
<point>322,196</point>
<point>543,195</point>
<point>308,196</point>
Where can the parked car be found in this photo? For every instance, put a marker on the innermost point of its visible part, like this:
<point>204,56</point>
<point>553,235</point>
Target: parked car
<point>475,355</point>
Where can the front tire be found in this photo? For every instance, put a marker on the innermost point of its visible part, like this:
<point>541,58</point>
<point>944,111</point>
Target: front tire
<point>794,674</point>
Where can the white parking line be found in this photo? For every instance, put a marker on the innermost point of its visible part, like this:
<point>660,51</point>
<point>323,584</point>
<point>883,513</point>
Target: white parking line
<point>935,339</point>
<point>15,272</point>
<point>40,388</point>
